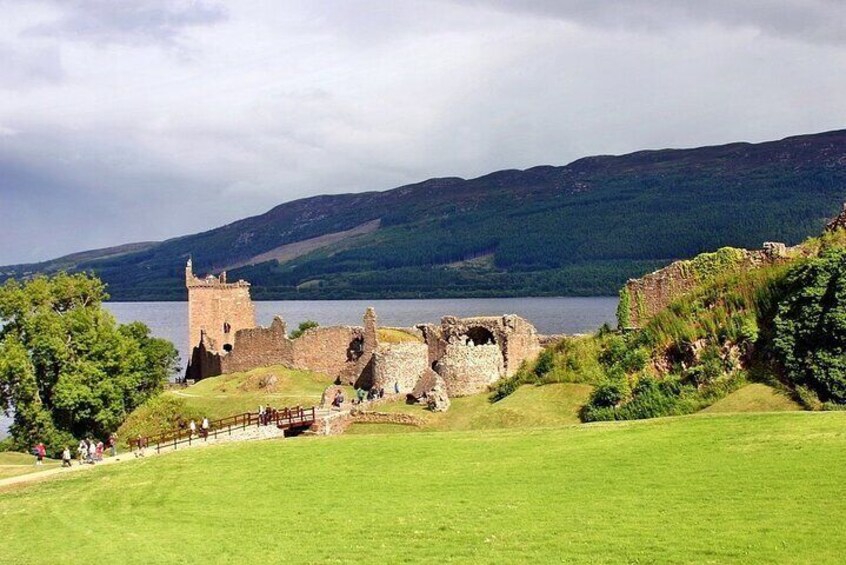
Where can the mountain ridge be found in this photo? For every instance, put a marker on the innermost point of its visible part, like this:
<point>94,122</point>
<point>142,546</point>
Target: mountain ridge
<point>581,228</point>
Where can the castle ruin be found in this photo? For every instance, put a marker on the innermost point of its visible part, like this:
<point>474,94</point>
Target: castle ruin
<point>468,354</point>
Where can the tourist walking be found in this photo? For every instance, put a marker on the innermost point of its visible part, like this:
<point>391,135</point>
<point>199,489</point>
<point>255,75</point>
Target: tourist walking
<point>204,428</point>
<point>261,414</point>
<point>338,400</point>
<point>360,394</point>
<point>66,457</point>
<point>40,453</point>
<point>92,451</point>
<point>81,451</point>
<point>192,429</point>
<point>112,444</point>
<point>98,451</point>
<point>142,443</point>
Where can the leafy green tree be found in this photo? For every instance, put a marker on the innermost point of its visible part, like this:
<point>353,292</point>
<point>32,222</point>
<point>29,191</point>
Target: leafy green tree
<point>810,326</point>
<point>67,368</point>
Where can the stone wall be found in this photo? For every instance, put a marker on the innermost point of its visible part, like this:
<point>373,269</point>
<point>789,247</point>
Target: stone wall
<point>338,422</point>
<point>343,353</point>
<point>260,347</point>
<point>325,350</point>
<point>643,298</point>
<point>470,369</point>
<point>399,364</point>
<point>203,363</point>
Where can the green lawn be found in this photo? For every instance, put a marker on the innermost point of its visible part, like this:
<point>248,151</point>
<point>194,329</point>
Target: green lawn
<point>705,488</point>
<point>13,464</point>
<point>755,397</point>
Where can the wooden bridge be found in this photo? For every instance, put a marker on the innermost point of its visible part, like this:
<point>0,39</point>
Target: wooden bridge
<point>295,419</point>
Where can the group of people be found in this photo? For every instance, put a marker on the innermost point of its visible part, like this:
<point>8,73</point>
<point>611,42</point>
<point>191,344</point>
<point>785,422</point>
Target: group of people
<point>204,428</point>
<point>362,395</point>
<point>88,451</point>
<point>267,415</point>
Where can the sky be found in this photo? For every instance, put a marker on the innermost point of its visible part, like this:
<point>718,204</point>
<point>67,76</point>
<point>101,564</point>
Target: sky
<point>150,119</point>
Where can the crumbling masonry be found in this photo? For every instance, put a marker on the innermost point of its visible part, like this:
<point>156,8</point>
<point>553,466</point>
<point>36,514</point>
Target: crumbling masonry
<point>466,354</point>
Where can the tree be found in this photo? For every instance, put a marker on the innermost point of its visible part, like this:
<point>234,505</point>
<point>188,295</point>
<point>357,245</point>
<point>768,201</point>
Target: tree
<point>810,326</point>
<point>67,368</point>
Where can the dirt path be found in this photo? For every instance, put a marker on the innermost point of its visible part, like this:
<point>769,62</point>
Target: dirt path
<point>47,473</point>
<point>248,434</point>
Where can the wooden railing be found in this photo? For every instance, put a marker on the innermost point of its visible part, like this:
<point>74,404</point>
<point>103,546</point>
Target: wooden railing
<point>285,418</point>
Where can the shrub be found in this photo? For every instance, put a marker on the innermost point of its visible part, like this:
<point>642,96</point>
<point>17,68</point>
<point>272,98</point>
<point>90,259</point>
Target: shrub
<point>607,395</point>
<point>301,329</point>
<point>810,326</point>
<point>710,367</point>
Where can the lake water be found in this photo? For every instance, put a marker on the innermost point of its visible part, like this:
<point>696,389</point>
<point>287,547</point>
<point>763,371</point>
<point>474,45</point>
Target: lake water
<point>549,315</point>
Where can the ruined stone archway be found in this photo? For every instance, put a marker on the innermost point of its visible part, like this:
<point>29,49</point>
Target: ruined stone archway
<point>479,335</point>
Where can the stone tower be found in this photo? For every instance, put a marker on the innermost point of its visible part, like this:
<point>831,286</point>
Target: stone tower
<point>217,309</point>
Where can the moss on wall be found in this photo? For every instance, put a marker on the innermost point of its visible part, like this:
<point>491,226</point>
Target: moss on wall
<point>624,315</point>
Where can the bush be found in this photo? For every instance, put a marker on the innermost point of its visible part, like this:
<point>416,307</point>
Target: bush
<point>301,329</point>
<point>710,367</point>
<point>810,326</point>
<point>607,395</point>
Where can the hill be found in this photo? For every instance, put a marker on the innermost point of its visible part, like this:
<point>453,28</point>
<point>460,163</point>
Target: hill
<point>579,229</point>
<point>738,488</point>
<point>729,318</point>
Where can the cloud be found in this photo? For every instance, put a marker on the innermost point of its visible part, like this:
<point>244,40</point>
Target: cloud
<point>107,137</point>
<point>806,20</point>
<point>28,68</point>
<point>135,22</point>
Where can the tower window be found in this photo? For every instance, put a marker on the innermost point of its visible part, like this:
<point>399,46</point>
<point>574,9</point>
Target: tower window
<point>226,327</point>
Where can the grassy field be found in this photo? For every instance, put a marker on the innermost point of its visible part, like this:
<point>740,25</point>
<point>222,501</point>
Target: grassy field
<point>755,397</point>
<point>706,488</point>
<point>14,464</point>
<point>530,406</point>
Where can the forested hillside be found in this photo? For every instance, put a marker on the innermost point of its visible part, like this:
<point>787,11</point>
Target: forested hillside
<point>578,229</point>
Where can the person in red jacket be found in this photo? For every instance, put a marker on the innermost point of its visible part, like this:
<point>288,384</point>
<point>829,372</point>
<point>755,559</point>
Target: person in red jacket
<point>40,453</point>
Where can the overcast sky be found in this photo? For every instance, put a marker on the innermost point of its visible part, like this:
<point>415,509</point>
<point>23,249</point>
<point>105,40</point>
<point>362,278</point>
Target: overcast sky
<point>142,120</point>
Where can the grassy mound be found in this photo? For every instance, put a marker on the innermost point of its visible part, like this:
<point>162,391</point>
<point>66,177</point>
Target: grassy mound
<point>222,396</point>
<point>158,415</point>
<point>755,397</point>
<point>396,335</point>
<point>530,406</point>
<point>226,395</point>
<point>741,488</point>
